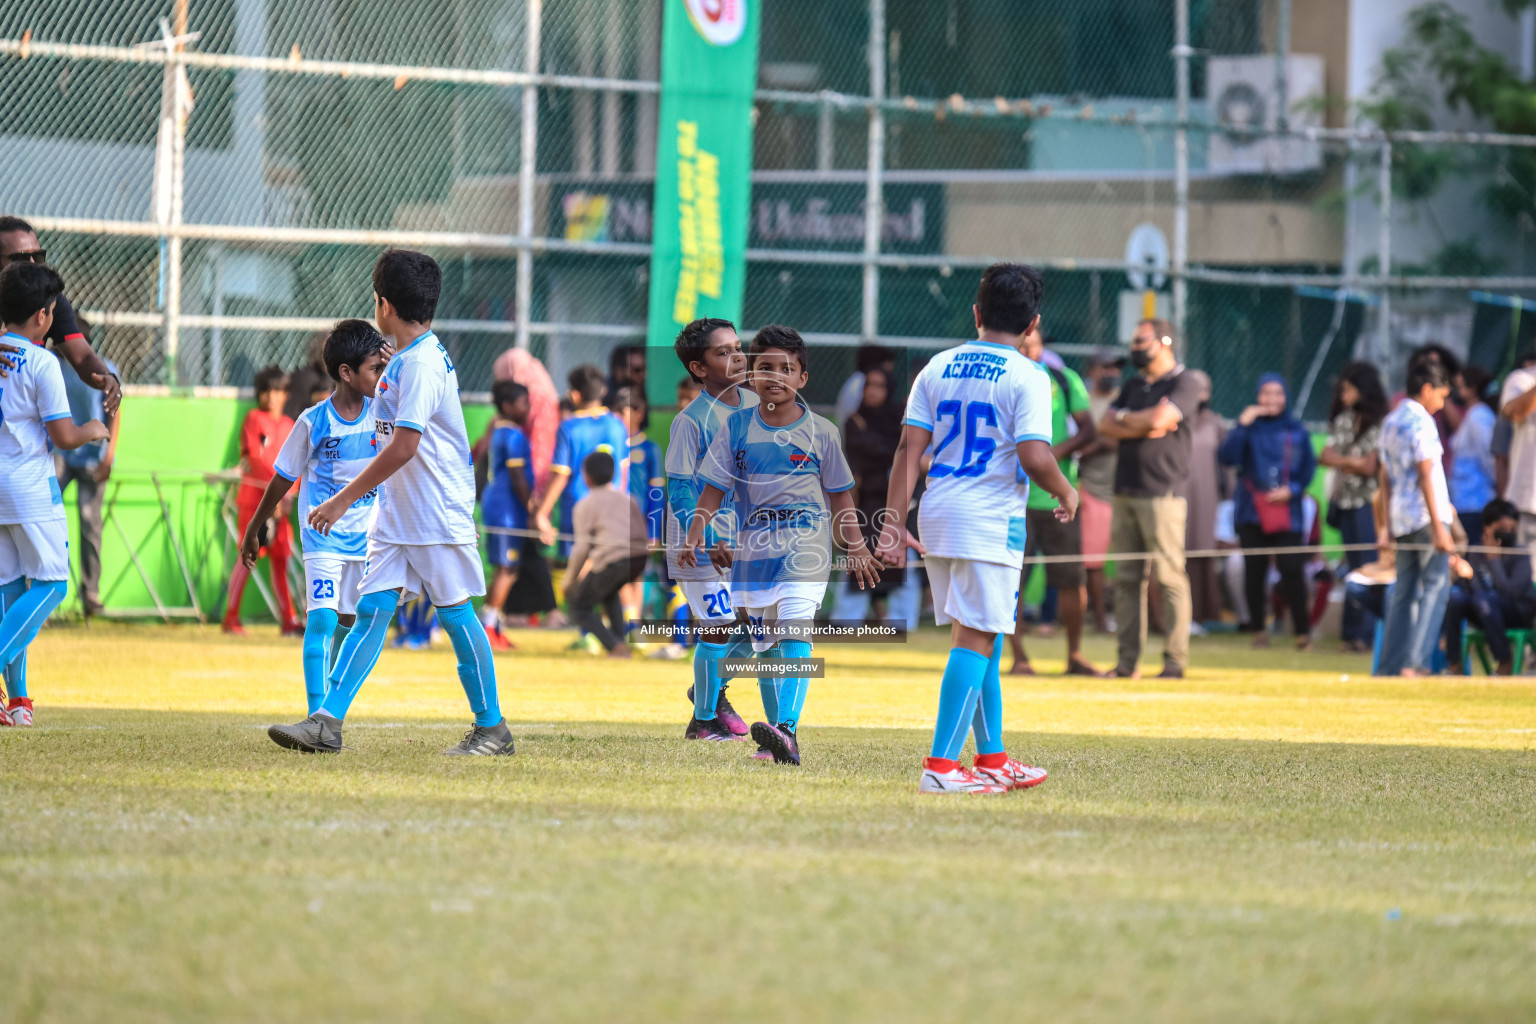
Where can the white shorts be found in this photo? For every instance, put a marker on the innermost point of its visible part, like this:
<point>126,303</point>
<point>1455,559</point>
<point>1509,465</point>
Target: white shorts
<point>38,551</point>
<point>447,573</point>
<point>331,582</point>
<point>785,602</point>
<point>981,595</point>
<point>709,600</point>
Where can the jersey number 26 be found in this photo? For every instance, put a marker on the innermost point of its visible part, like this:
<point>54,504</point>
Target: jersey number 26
<point>978,450</point>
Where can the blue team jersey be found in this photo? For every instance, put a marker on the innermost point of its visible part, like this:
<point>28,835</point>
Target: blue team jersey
<point>693,431</point>
<point>325,453</point>
<point>30,398</point>
<point>499,505</point>
<point>781,477</point>
<point>646,484</point>
<point>592,430</point>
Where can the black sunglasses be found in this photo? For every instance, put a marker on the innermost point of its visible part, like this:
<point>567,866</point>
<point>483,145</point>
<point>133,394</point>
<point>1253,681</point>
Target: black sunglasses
<point>32,256</point>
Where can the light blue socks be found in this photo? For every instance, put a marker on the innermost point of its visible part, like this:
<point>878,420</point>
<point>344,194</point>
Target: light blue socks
<point>706,679</point>
<point>319,633</point>
<point>988,723</point>
<point>359,652</point>
<point>24,616</point>
<point>16,671</point>
<point>792,691</point>
<point>964,677</point>
<point>477,669</point>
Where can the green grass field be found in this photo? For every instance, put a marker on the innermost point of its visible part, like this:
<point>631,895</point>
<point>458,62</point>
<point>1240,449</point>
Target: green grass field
<point>1265,840</point>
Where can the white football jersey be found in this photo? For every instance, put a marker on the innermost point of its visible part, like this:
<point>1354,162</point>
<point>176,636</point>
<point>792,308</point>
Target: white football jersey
<point>431,500</point>
<point>693,431</point>
<point>979,399</point>
<point>30,397</point>
<point>780,477</point>
<point>325,453</point>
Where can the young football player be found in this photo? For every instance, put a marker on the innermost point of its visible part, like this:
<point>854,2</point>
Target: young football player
<point>422,540</point>
<point>505,501</point>
<point>34,535</point>
<point>985,410</point>
<point>793,490</point>
<point>261,437</point>
<point>329,445</point>
<point>590,428</point>
<point>711,353</point>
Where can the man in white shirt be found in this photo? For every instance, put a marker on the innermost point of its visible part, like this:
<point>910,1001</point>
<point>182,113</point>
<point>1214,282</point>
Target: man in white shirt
<point>1419,504</point>
<point>1517,403</point>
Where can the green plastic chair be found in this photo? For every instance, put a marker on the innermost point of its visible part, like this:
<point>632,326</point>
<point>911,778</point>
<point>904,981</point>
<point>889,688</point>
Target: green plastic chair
<point>1475,641</point>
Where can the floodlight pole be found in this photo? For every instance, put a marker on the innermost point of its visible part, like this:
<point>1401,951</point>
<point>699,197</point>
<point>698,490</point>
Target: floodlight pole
<point>1384,254</point>
<point>1181,54</point>
<point>173,103</point>
<point>527,168</point>
<point>874,200</point>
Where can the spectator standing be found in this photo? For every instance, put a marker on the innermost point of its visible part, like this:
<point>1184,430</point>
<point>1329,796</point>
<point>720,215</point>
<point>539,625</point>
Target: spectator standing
<point>850,397</point>
<point>1517,401</point>
<point>608,553</point>
<point>308,379</point>
<point>1205,494</point>
<point>88,467</point>
<point>1273,455</point>
<point>1420,513</point>
<point>626,369</point>
<point>1472,467</point>
<point>1151,420</point>
<point>1503,433</point>
<point>261,438</point>
<point>870,435</point>
<point>1096,482</point>
<point>520,365</point>
<point>1072,430</point>
<point>1494,592</point>
<point>1354,435</point>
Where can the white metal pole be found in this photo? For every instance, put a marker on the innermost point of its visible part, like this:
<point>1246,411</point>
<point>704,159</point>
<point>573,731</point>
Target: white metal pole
<point>874,201</point>
<point>178,77</point>
<point>1181,54</point>
<point>527,166</point>
<point>1384,254</point>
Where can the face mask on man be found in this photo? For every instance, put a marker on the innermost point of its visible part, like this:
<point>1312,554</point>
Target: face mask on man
<point>1141,358</point>
<point>1506,538</point>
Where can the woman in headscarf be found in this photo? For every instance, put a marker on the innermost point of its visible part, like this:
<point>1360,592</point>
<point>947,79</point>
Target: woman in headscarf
<point>1275,463</point>
<point>870,437</point>
<point>1205,494</point>
<point>520,365</point>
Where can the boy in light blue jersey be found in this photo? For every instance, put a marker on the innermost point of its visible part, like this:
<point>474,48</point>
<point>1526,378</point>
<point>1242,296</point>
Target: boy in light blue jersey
<point>422,540</point>
<point>710,351</point>
<point>793,491</point>
<point>984,410</point>
<point>34,419</point>
<point>590,428</point>
<point>329,445</point>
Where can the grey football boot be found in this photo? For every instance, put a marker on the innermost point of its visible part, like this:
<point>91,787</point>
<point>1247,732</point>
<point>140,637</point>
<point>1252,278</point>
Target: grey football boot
<point>317,734</point>
<point>484,741</point>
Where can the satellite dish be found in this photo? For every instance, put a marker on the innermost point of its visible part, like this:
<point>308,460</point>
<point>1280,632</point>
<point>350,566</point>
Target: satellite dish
<point>1147,248</point>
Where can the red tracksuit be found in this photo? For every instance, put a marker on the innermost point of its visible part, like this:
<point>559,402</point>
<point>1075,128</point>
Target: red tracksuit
<point>261,438</point>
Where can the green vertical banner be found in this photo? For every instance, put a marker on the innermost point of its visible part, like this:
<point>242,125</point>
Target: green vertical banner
<point>703,168</point>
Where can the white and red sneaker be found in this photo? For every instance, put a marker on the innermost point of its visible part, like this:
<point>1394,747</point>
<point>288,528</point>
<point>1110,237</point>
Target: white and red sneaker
<point>1012,774</point>
<point>19,712</point>
<point>7,720</point>
<point>952,777</point>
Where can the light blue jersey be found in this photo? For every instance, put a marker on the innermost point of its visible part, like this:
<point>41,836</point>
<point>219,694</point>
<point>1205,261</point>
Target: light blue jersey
<point>693,431</point>
<point>31,397</point>
<point>325,453</point>
<point>780,477</point>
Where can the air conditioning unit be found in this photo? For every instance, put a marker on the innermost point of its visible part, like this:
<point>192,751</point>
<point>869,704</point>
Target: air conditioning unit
<point>1241,93</point>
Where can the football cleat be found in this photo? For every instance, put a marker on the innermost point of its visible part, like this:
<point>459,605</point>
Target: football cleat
<point>713,729</point>
<point>782,744</point>
<point>484,741</point>
<point>959,779</point>
<point>317,734</point>
<point>5,718</point>
<point>725,713</point>
<point>762,753</point>
<point>1013,774</point>
<point>20,711</point>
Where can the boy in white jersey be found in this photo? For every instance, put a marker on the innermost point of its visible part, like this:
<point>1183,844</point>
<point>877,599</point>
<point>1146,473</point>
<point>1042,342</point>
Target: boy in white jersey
<point>34,419</point>
<point>422,540</point>
<point>793,490</point>
<point>985,411</point>
<point>329,445</point>
<point>711,353</point>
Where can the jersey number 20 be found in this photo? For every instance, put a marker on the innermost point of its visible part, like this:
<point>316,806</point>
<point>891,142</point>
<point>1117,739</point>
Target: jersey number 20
<point>978,450</point>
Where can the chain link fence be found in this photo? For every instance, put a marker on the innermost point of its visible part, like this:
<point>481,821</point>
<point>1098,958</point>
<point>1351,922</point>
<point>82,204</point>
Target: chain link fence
<point>211,224</point>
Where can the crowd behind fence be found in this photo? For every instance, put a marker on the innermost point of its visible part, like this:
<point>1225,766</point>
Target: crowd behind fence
<point>215,177</point>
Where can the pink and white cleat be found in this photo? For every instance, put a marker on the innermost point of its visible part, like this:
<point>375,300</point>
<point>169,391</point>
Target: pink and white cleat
<point>20,712</point>
<point>1013,774</point>
<point>958,779</point>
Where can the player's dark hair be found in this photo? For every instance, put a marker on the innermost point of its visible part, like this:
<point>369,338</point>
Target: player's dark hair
<point>873,357</point>
<point>26,288</point>
<point>505,393</point>
<point>9,224</point>
<point>628,398</point>
<point>1372,405</point>
<point>1495,510</point>
<point>270,378</point>
<point>693,341</point>
<point>599,468</point>
<point>588,382</point>
<point>566,405</point>
<point>1425,373</point>
<point>618,358</point>
<point>411,281</point>
<point>785,339</point>
<point>1477,380</point>
<point>1162,328</point>
<point>350,343</point>
<point>1436,354</point>
<point>1008,297</point>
